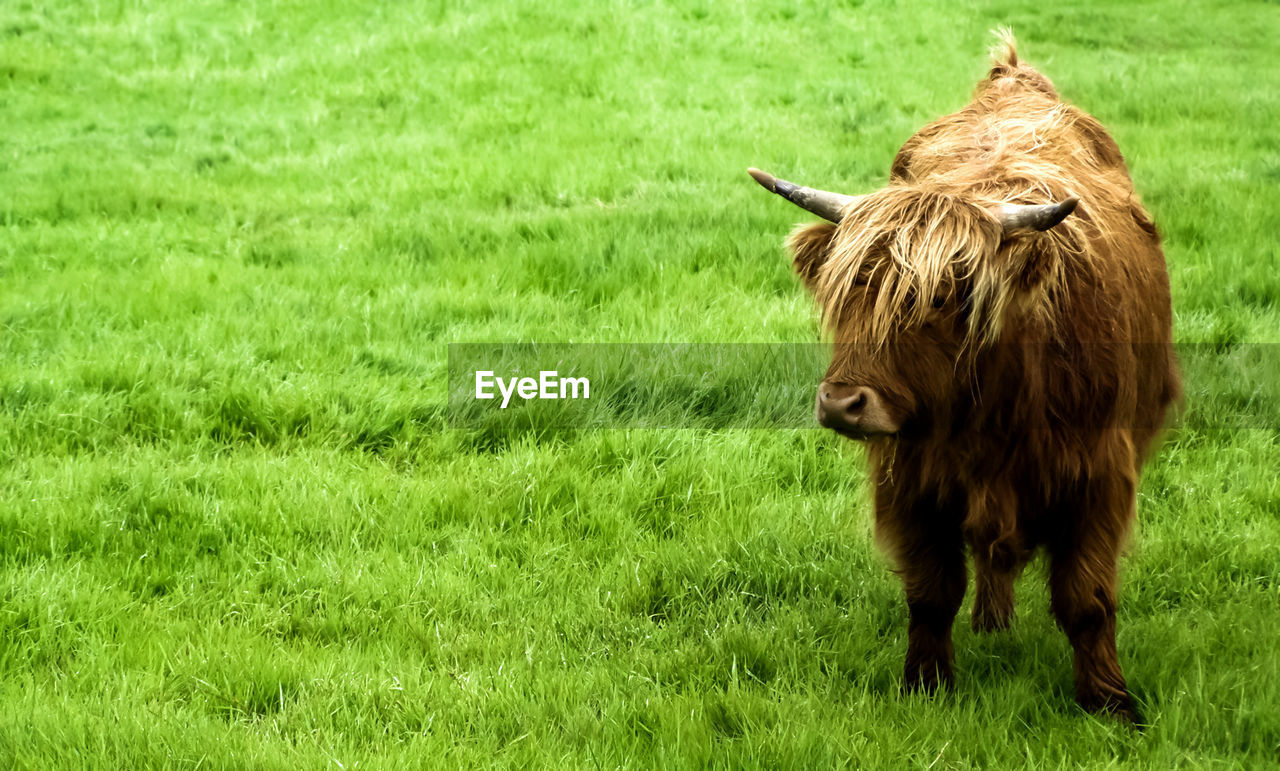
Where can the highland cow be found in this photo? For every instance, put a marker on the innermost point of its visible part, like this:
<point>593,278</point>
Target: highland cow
<point>1002,329</point>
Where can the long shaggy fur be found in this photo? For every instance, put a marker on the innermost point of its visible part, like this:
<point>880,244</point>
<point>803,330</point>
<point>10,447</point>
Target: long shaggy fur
<point>1031,371</point>
<point>1016,142</point>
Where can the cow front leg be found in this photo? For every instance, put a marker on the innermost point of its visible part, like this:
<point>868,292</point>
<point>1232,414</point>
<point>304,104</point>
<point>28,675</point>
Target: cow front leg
<point>1084,604</point>
<point>933,574</point>
<point>1082,583</point>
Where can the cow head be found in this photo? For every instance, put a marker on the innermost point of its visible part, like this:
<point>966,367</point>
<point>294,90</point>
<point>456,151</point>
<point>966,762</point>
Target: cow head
<point>913,282</point>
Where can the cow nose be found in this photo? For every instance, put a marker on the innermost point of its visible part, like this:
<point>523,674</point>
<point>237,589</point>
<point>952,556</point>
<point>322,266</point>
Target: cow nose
<point>849,409</point>
<point>840,404</point>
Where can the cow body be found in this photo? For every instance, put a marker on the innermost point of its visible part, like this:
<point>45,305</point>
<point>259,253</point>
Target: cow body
<point>1008,378</point>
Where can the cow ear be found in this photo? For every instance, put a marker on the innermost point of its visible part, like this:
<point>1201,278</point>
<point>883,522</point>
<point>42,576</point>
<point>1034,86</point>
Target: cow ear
<point>1027,262</point>
<point>810,244</point>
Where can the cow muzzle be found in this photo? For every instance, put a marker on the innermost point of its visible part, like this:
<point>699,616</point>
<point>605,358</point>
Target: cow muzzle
<point>857,412</point>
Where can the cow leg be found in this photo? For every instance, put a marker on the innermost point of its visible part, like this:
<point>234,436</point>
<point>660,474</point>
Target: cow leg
<point>1083,586</point>
<point>922,532</point>
<point>993,600</point>
<point>933,573</point>
<point>991,528</point>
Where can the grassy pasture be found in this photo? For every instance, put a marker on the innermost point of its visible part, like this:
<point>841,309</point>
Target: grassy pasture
<point>236,238</point>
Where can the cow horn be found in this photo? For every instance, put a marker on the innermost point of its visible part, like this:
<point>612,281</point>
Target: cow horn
<point>1023,218</point>
<point>829,206</point>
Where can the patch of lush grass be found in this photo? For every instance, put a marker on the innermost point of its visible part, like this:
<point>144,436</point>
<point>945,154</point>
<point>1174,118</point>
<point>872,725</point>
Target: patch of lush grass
<point>235,239</point>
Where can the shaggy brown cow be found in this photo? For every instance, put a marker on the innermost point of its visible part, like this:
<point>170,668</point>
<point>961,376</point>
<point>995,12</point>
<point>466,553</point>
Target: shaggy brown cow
<point>1007,365</point>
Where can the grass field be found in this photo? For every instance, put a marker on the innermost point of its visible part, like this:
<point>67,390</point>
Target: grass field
<point>235,530</point>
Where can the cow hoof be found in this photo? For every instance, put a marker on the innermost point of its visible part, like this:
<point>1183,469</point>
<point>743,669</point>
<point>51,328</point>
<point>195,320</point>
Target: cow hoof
<point>1127,714</point>
<point>991,622</point>
<point>926,681</point>
<point>1122,711</point>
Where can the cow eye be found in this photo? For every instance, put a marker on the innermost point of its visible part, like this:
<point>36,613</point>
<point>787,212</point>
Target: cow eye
<point>938,302</point>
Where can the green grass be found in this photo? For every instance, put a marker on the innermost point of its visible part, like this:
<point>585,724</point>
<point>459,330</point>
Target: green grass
<point>235,531</point>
